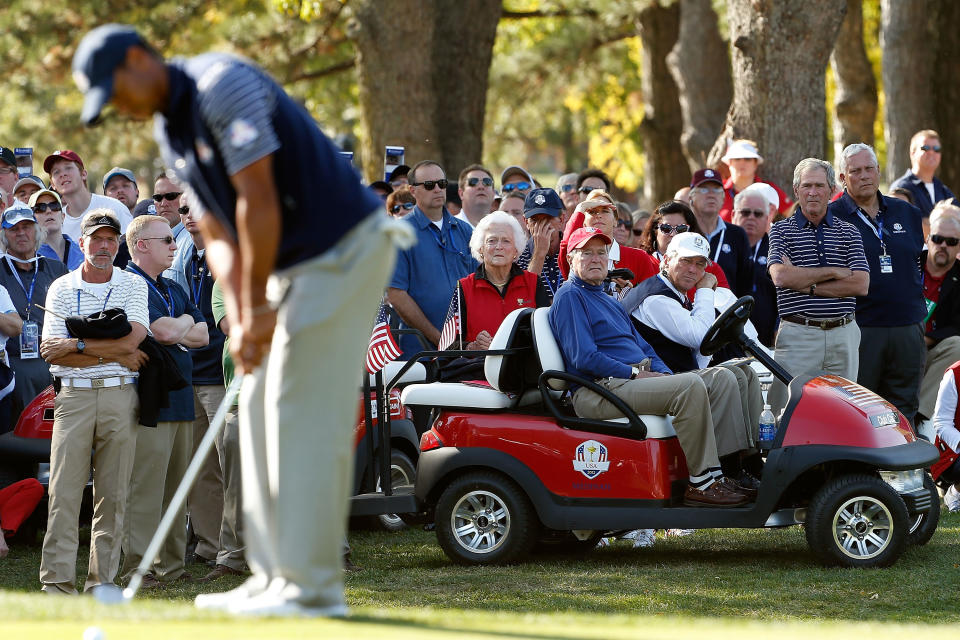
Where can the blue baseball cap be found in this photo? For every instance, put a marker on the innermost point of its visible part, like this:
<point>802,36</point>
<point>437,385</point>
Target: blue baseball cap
<point>100,52</point>
<point>542,201</point>
<point>118,171</point>
<point>16,214</point>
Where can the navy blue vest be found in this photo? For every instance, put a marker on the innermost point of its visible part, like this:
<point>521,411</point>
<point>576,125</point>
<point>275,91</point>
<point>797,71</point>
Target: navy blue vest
<point>678,357</point>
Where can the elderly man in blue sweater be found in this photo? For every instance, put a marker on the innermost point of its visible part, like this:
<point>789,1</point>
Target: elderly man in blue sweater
<point>599,342</point>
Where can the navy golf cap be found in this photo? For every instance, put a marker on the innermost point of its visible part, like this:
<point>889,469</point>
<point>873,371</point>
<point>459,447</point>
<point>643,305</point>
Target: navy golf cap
<point>544,201</point>
<point>100,52</point>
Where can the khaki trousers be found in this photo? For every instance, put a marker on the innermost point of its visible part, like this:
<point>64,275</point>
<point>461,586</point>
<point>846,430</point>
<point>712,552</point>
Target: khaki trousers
<point>83,419</point>
<point>231,527</point>
<point>730,428</point>
<point>939,358</point>
<point>682,395</point>
<point>751,395</point>
<point>205,501</point>
<point>803,350</point>
<point>162,456</point>
<point>297,414</point>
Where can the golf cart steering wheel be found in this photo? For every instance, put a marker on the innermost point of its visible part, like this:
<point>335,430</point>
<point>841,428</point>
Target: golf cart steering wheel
<point>728,327</point>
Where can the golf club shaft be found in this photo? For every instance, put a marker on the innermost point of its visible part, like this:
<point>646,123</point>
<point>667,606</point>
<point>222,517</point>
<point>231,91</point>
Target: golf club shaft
<point>189,476</point>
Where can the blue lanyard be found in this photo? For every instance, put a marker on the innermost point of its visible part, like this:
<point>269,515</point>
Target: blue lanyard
<point>168,301</point>
<point>198,273</point>
<point>438,236</point>
<point>29,293</point>
<point>109,291</point>
<point>877,229</point>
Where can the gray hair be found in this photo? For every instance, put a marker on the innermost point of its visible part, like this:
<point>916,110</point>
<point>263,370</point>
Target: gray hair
<point>853,149</point>
<point>41,238</point>
<point>564,179</point>
<point>497,217</point>
<point>814,163</point>
<point>944,211</point>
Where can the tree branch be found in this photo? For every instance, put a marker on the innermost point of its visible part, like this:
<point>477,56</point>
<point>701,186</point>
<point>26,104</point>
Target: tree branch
<point>562,13</point>
<point>346,65</point>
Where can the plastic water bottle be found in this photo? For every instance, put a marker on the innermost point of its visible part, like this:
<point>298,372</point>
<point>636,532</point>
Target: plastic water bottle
<point>768,428</point>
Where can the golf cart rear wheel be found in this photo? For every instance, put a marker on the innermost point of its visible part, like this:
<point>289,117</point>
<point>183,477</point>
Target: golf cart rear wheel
<point>485,518</point>
<point>402,472</point>
<point>923,525</point>
<point>857,521</point>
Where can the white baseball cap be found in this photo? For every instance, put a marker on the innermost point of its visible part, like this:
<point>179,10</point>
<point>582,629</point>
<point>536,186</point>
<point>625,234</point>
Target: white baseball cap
<point>741,149</point>
<point>763,189</point>
<point>689,244</point>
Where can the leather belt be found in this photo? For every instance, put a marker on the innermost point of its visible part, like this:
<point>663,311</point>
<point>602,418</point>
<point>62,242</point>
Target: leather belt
<point>824,323</point>
<point>97,383</point>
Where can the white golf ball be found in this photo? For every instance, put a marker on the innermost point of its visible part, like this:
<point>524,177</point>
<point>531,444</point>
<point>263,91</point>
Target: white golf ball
<point>94,633</point>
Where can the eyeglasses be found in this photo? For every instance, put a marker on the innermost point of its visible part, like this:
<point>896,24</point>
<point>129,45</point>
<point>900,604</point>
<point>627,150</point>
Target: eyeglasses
<point>494,242</point>
<point>43,206</point>
<point>567,188</point>
<point>166,239</point>
<point>947,240</point>
<point>751,212</point>
<point>927,147</point>
<point>7,170</point>
<point>172,195</point>
<point>586,190</point>
<point>522,186</point>
<point>183,210</point>
<point>669,228</point>
<point>472,182</point>
<point>430,184</point>
<point>599,253</point>
<point>406,205</point>
<point>717,189</point>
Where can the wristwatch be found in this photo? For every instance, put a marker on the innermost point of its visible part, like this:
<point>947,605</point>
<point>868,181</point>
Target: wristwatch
<point>634,372</point>
<point>81,345</point>
<point>813,288</point>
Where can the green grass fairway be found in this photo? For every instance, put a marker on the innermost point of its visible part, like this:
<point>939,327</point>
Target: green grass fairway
<point>737,584</point>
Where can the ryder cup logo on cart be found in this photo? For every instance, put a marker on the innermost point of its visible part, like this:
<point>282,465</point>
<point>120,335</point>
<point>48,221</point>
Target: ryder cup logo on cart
<point>591,459</point>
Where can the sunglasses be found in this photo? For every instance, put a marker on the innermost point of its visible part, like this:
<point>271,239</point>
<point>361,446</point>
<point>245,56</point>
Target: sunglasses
<point>183,210</point>
<point>173,195</point>
<point>669,228</point>
<point>43,206</point>
<point>406,205</point>
<point>165,239</point>
<point>522,186</point>
<point>472,182</point>
<point>623,224</point>
<point>751,212</point>
<point>927,147</point>
<point>947,240</point>
<point>567,188</point>
<point>430,184</point>
<point>586,190</point>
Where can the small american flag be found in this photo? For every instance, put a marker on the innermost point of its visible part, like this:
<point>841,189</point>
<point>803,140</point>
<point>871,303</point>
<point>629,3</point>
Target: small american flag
<point>451,326</point>
<point>383,348</point>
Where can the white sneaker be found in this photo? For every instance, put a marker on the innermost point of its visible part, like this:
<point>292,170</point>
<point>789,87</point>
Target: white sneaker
<point>641,537</point>
<point>223,601</point>
<point>272,605</point>
<point>952,499</point>
<point>679,533</point>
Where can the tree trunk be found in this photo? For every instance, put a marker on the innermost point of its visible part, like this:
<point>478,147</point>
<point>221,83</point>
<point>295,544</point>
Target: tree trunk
<point>947,89</point>
<point>423,79</point>
<point>855,101</point>
<point>779,53</point>
<point>700,66</point>
<point>662,125</point>
<point>908,39</point>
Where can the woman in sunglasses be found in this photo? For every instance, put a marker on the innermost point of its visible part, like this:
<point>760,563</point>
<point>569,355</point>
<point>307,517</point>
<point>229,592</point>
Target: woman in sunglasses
<point>669,219</point>
<point>400,202</point>
<point>48,210</point>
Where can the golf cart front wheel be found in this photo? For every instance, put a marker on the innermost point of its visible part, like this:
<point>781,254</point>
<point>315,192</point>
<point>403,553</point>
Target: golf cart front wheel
<point>857,521</point>
<point>923,525</point>
<point>484,518</point>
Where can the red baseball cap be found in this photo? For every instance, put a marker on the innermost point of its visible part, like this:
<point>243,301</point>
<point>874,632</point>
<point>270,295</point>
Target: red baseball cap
<point>705,175</point>
<point>583,235</point>
<point>63,154</point>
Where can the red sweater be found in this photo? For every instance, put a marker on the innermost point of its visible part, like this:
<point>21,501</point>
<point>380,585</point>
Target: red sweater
<point>483,308</point>
<point>639,261</point>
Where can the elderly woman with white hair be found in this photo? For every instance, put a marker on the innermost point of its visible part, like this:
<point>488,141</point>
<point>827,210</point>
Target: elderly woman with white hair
<point>484,298</point>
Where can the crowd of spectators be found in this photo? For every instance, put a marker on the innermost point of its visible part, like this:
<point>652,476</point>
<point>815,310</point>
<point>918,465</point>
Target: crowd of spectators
<point>845,279</point>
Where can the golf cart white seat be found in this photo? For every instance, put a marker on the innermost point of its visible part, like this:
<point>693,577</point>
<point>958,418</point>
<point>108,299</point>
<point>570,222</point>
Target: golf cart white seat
<point>548,353</point>
<point>416,373</point>
<point>497,370</point>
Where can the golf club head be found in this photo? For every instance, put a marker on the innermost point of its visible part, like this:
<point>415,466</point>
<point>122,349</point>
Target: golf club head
<point>109,594</point>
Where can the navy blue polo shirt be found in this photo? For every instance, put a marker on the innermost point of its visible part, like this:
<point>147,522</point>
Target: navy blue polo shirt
<point>430,269</point>
<point>208,360</point>
<point>894,299</point>
<point>831,243</point>
<point>921,197</point>
<point>161,293</point>
<point>223,115</point>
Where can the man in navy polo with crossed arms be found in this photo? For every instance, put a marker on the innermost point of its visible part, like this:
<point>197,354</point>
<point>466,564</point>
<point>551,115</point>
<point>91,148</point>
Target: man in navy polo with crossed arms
<point>300,304</point>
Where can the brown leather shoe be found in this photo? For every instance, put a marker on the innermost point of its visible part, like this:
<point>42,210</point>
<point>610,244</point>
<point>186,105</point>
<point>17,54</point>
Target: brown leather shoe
<point>219,571</point>
<point>150,582</point>
<point>718,494</point>
<point>734,485</point>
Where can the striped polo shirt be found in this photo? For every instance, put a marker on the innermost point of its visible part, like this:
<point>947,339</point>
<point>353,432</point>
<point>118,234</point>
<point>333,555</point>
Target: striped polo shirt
<point>832,243</point>
<point>70,295</point>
